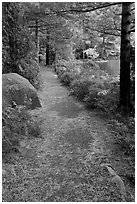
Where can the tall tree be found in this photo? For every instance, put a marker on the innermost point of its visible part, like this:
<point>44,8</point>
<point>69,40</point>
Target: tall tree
<point>37,37</point>
<point>125,56</point>
<point>47,49</point>
<point>10,33</point>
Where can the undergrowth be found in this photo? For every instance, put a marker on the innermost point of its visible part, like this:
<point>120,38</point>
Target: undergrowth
<point>29,69</point>
<point>17,123</point>
<point>100,91</point>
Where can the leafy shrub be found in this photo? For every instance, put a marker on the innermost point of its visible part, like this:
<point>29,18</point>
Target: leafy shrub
<point>124,133</point>
<point>66,78</point>
<point>100,90</point>
<point>85,79</point>
<point>92,98</point>
<point>17,123</point>
<point>67,71</point>
<point>29,69</point>
<point>91,84</point>
<point>80,88</point>
<point>109,100</point>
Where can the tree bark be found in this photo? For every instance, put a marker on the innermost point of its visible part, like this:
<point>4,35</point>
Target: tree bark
<point>125,57</point>
<point>103,47</point>
<point>37,39</point>
<point>47,49</point>
<point>11,18</point>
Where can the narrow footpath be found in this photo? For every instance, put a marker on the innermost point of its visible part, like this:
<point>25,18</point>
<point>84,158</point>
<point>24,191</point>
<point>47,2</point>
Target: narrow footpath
<point>64,164</point>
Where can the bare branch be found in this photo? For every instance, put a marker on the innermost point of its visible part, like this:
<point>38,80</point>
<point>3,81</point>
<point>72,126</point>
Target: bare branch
<point>107,33</point>
<point>85,10</point>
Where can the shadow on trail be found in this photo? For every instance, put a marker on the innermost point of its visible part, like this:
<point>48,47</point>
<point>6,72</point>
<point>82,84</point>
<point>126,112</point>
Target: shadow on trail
<point>67,109</point>
<point>79,137</point>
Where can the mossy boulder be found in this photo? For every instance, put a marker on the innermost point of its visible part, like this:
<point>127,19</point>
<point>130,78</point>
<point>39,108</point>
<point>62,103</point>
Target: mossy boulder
<point>18,89</point>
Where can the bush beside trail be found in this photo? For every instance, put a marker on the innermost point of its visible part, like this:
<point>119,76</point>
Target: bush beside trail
<point>88,82</point>
<point>17,125</point>
<point>99,90</point>
<point>19,96</point>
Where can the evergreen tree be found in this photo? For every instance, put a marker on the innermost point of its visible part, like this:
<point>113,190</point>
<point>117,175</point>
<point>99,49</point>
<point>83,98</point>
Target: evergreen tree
<point>125,57</point>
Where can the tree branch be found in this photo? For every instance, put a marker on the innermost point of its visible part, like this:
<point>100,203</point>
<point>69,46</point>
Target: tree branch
<point>85,10</point>
<point>107,33</point>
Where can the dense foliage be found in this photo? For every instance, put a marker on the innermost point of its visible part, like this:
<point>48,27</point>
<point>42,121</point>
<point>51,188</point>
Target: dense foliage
<point>18,50</point>
<point>10,29</point>
<point>100,90</point>
<point>17,125</point>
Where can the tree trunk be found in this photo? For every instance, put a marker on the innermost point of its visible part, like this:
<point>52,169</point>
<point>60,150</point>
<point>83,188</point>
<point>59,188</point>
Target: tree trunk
<point>11,17</point>
<point>103,48</point>
<point>47,49</point>
<point>125,57</point>
<point>37,39</point>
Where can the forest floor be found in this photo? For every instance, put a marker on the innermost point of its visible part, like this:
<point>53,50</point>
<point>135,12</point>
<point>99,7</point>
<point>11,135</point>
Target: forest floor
<point>64,164</point>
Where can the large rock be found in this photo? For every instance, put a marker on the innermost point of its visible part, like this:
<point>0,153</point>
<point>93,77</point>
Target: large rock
<point>18,89</point>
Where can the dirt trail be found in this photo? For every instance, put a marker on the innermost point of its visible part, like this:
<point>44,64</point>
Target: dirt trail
<point>65,164</point>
